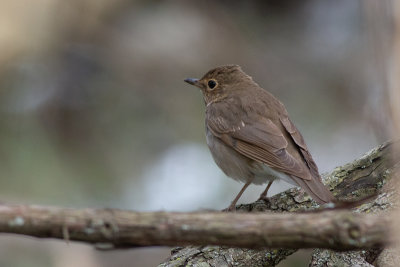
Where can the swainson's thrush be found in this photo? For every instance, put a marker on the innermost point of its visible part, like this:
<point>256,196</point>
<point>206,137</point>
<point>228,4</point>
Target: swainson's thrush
<point>251,136</point>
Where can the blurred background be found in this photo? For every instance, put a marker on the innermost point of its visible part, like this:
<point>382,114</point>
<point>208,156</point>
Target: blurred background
<point>94,111</point>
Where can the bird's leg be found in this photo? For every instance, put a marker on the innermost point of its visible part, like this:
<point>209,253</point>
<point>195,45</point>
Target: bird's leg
<point>232,207</point>
<point>263,195</point>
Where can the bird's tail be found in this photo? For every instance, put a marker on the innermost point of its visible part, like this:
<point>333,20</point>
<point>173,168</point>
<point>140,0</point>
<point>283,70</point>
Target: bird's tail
<point>321,194</point>
<point>316,189</point>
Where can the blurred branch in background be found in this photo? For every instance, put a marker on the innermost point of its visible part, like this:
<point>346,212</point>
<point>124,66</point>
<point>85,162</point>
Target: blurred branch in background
<point>394,74</point>
<point>378,26</point>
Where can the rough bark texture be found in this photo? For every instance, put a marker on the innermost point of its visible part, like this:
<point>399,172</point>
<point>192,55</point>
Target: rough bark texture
<point>363,177</point>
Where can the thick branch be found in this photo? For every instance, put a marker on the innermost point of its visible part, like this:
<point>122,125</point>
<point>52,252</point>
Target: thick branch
<point>329,229</point>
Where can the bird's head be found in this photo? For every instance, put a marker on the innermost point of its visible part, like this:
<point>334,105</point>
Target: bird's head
<point>220,82</point>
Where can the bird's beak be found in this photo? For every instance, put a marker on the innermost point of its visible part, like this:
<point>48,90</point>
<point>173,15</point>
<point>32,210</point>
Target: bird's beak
<point>192,81</point>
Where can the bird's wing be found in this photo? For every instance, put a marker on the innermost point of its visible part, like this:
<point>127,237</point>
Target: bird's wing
<point>298,139</point>
<point>262,141</point>
<point>314,187</point>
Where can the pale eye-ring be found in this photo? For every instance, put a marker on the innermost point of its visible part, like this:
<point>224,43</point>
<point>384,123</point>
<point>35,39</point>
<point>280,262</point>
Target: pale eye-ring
<point>211,84</point>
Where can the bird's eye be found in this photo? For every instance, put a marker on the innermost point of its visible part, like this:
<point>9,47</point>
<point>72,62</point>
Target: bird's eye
<point>212,84</point>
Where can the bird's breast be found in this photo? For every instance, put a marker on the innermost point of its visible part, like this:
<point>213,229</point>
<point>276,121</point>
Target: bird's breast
<point>228,160</point>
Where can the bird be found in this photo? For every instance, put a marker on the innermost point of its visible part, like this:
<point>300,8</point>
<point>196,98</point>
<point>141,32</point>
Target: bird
<point>251,137</point>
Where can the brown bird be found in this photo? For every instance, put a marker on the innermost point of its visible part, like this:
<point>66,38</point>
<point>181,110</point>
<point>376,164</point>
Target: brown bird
<point>251,136</point>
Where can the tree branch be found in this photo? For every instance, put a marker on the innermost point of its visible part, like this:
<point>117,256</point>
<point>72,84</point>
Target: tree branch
<point>130,229</point>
